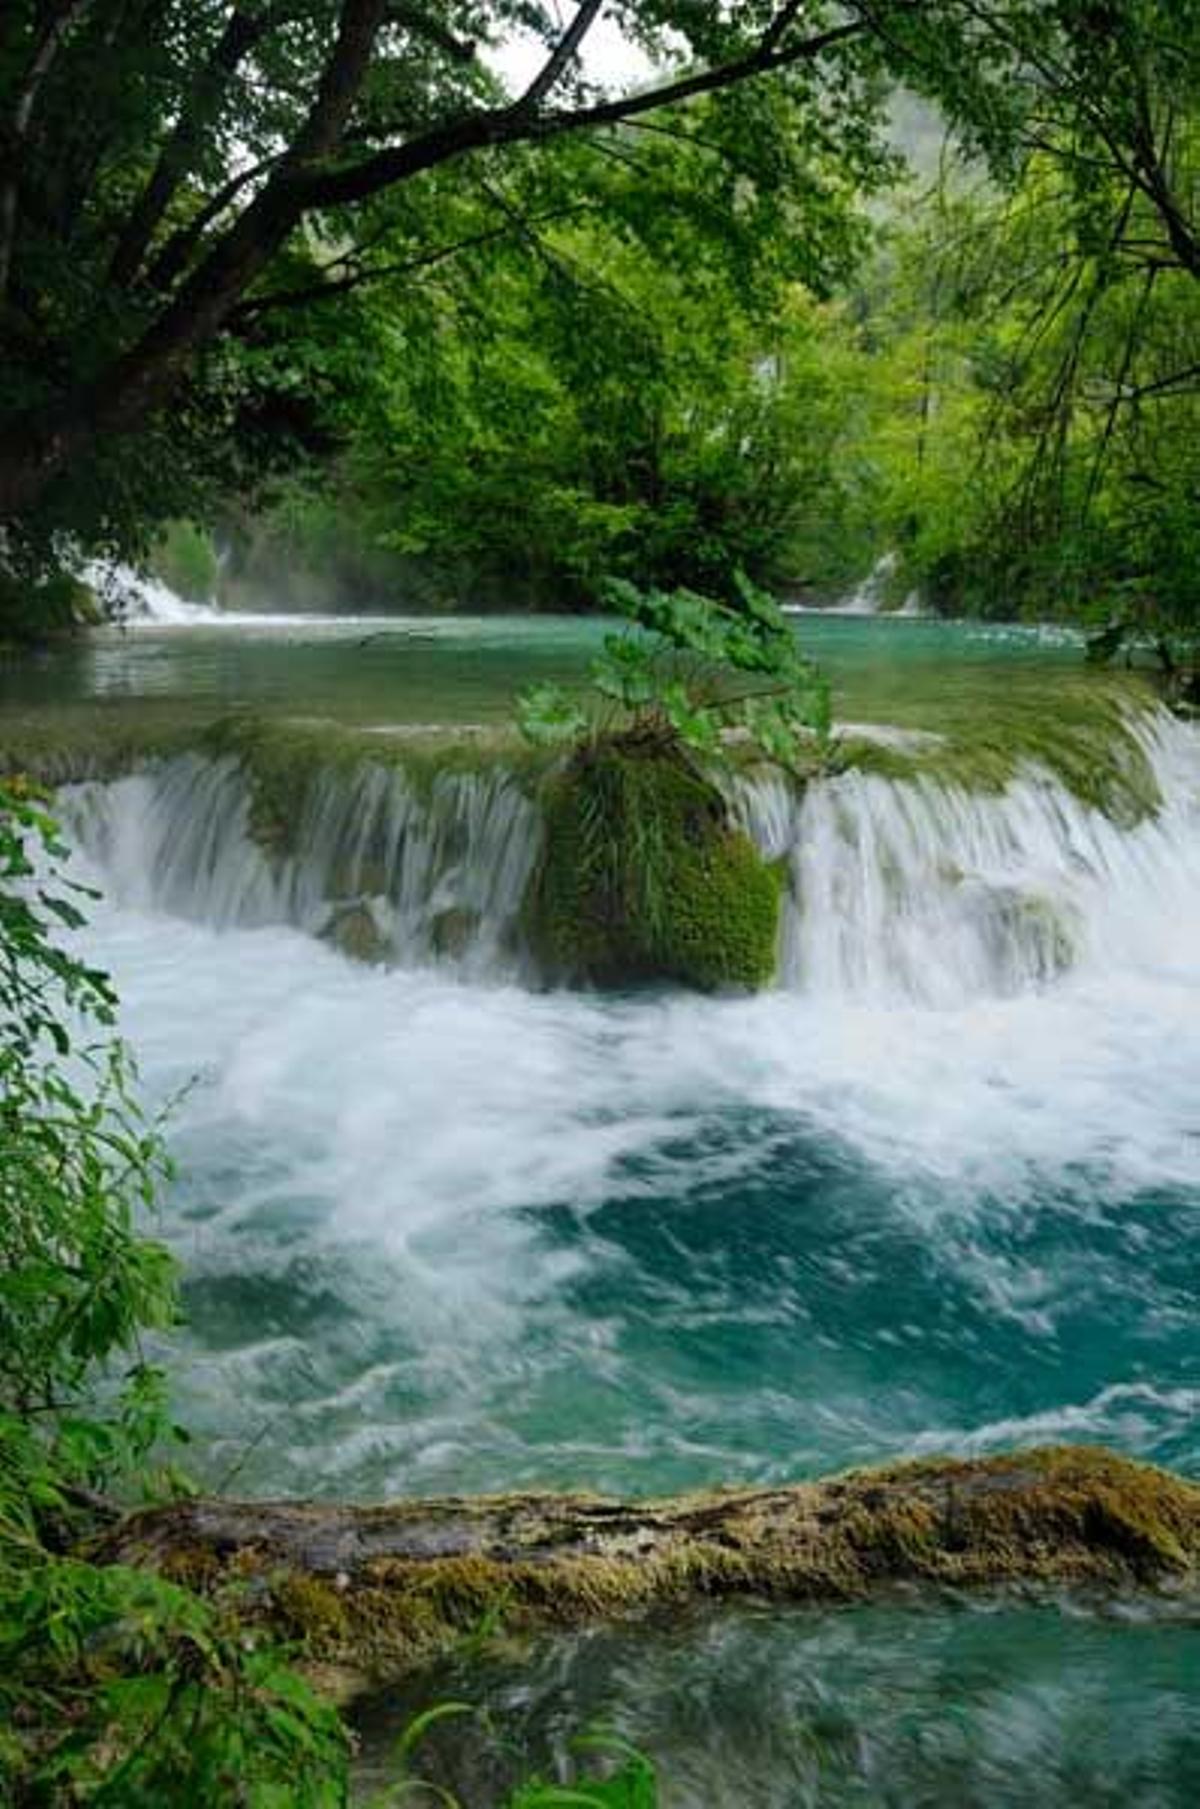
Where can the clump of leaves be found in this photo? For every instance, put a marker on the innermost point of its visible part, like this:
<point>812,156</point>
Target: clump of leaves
<point>79,1283</point>
<point>607,1772</point>
<point>695,671</point>
<point>116,1687</point>
<point>633,1783</point>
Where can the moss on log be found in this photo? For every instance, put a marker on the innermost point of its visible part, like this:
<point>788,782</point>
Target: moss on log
<point>369,1592</point>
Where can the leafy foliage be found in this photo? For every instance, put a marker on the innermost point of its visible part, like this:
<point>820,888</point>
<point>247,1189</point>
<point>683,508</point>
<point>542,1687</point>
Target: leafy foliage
<point>690,670</point>
<point>608,1773</point>
<point>178,208</point>
<point>78,1283</point>
<point>1035,414</point>
<point>115,1686</point>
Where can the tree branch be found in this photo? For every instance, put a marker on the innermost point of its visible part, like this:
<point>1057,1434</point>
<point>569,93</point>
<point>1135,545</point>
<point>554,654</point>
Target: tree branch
<point>242,32</point>
<point>509,125</point>
<point>567,47</point>
<point>58,23</point>
<point>176,254</point>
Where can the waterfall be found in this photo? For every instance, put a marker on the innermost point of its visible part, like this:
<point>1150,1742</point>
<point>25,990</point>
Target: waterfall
<point>923,891</point>
<point>866,597</point>
<point>899,891</point>
<point>143,597</point>
<point>377,864</point>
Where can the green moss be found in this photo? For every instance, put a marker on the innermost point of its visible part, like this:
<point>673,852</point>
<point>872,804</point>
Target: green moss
<point>353,930</point>
<point>309,1609</point>
<point>371,1592</point>
<point>1081,730</point>
<point>646,878</point>
<point>284,758</point>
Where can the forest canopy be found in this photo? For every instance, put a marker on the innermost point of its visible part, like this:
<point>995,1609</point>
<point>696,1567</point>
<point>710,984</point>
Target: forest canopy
<point>312,272</point>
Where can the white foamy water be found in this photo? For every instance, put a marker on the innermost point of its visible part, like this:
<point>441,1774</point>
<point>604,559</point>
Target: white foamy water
<point>432,871</point>
<point>929,892</point>
<point>449,1231</point>
<point>394,1139</point>
<point>916,892</point>
<point>144,601</point>
<point>867,597</point>
<point>143,598</point>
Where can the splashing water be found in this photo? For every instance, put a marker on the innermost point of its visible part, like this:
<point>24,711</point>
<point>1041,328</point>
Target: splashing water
<point>915,892</point>
<point>939,1188</point>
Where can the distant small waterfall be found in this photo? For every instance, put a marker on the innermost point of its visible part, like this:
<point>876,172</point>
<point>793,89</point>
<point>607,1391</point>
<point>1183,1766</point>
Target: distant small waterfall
<point>915,891</point>
<point>867,597</point>
<point>143,598</point>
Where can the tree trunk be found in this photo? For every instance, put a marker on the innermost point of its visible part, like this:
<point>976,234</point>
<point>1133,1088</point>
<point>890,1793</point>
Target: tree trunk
<point>373,1591</point>
<point>144,378</point>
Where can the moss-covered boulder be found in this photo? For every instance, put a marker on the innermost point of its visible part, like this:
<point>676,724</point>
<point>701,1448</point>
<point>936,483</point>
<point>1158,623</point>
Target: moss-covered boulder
<point>645,877</point>
<point>354,930</point>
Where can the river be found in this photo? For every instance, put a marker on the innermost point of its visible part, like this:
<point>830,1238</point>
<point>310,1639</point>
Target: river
<point>444,1230</point>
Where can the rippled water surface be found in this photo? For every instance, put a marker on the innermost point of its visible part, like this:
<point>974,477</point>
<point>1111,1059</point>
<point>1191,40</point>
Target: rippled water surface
<point>940,1191</point>
<point>982,1706</point>
<point>456,669</point>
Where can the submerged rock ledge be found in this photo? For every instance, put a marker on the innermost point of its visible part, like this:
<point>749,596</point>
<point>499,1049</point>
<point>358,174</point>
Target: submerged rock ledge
<point>370,1592</point>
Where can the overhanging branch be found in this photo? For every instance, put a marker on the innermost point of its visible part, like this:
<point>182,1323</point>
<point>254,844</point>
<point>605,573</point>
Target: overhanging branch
<point>514,125</point>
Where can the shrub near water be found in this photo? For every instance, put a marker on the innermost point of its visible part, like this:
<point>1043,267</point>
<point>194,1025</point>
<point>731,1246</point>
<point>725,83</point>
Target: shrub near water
<point>116,1687</point>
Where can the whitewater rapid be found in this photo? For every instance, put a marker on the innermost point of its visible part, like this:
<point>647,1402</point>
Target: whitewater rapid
<point>445,1230</point>
<point>919,891</point>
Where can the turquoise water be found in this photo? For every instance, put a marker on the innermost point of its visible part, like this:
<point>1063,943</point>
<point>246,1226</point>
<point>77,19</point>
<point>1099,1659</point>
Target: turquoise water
<point>442,1232</point>
<point>466,669</point>
<point>999,1706</point>
<point>445,1237</point>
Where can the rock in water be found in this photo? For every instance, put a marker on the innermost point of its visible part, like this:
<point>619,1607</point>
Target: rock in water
<point>645,877</point>
<point>353,930</point>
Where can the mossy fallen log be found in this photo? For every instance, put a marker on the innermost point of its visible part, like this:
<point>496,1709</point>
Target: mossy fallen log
<point>369,1592</point>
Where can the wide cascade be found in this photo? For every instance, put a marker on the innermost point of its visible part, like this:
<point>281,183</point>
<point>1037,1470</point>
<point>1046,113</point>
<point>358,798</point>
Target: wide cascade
<point>919,890</point>
<point>416,874</point>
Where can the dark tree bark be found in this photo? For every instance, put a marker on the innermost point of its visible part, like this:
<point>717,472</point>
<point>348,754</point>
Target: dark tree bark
<point>242,32</point>
<point>57,23</point>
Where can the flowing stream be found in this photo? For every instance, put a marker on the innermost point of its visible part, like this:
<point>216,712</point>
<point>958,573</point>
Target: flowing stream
<point>445,1230</point>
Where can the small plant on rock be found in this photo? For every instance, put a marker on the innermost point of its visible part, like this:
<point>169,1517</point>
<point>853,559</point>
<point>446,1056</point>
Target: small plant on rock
<point>698,673</point>
<point>647,874</point>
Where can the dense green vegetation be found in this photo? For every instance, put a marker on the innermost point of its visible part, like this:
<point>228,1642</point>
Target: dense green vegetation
<point>308,275</point>
<point>993,388</point>
<point>115,1686</point>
